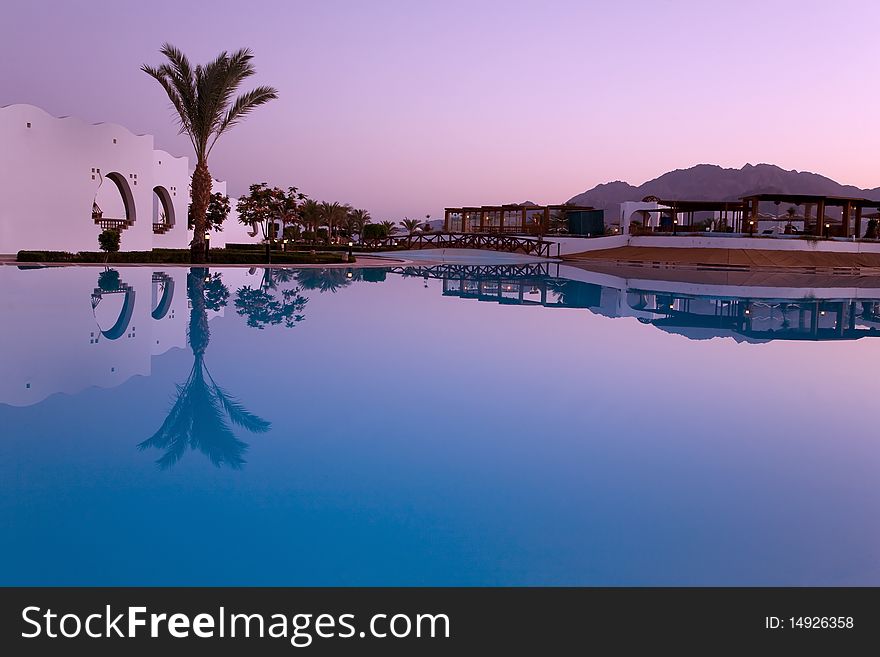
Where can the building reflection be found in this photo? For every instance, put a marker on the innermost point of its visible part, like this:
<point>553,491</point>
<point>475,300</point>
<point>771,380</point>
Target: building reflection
<point>752,313</point>
<point>67,329</point>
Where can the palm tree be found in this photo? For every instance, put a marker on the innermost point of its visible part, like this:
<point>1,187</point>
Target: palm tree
<point>410,225</point>
<point>310,214</point>
<point>359,218</point>
<point>198,418</point>
<point>202,96</point>
<point>333,214</point>
<point>390,228</point>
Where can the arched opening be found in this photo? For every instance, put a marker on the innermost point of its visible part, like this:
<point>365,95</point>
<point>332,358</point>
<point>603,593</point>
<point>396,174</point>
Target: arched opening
<point>110,284</point>
<point>163,294</point>
<point>163,210</point>
<point>113,206</point>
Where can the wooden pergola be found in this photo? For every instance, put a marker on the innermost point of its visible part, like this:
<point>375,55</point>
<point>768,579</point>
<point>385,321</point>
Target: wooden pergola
<point>681,213</point>
<point>851,211</point>
<point>509,218</point>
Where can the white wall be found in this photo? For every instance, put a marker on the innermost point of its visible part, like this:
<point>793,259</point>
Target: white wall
<point>49,177</point>
<point>53,169</point>
<point>233,232</point>
<point>569,245</point>
<point>768,243</point>
<point>172,174</point>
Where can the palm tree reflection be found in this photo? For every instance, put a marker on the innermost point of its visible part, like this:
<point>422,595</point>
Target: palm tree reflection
<point>202,412</point>
<point>329,279</point>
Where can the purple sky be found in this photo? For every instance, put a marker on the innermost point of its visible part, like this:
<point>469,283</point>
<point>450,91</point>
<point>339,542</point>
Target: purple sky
<point>406,107</point>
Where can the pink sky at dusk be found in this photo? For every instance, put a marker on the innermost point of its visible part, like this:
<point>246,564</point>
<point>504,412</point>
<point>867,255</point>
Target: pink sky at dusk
<point>406,107</point>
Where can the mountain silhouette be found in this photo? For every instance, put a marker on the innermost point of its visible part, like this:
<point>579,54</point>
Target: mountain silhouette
<point>711,182</point>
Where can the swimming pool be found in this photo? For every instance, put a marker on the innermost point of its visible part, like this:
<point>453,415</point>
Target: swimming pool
<point>447,425</point>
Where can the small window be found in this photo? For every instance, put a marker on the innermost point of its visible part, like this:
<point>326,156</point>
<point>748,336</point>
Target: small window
<point>93,176</point>
<point>29,125</point>
<point>28,385</point>
<point>114,141</point>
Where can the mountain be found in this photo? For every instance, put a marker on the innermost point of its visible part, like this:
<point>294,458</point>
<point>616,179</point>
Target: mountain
<point>709,182</point>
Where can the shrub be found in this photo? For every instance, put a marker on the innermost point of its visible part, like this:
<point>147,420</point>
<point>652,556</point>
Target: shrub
<point>375,232</point>
<point>253,246</point>
<point>109,280</point>
<point>182,256</point>
<point>108,240</point>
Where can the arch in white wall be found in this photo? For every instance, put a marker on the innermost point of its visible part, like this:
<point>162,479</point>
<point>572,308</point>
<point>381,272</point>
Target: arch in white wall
<point>120,326</point>
<point>165,283</point>
<point>112,201</point>
<point>163,210</point>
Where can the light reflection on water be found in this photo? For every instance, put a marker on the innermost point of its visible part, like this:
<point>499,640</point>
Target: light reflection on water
<point>518,424</point>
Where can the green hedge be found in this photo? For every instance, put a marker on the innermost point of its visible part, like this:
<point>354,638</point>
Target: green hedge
<point>182,256</point>
<point>249,247</point>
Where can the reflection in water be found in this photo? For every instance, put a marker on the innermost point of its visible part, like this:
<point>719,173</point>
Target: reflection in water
<point>163,289</point>
<point>328,279</point>
<point>109,282</point>
<point>552,446</point>
<point>198,418</point>
<point>266,305</point>
<point>745,313</point>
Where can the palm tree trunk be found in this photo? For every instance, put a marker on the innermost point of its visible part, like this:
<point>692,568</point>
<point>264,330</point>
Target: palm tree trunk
<point>201,197</point>
<point>198,333</point>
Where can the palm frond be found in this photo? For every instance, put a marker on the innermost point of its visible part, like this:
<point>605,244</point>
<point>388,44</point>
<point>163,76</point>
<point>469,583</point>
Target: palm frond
<point>239,415</point>
<point>245,104</point>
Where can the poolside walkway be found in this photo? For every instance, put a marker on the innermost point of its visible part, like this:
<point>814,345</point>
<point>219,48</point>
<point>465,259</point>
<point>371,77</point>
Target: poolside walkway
<point>735,258</point>
<point>362,261</point>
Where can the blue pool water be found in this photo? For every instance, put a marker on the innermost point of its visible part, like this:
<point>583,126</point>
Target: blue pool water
<point>527,425</point>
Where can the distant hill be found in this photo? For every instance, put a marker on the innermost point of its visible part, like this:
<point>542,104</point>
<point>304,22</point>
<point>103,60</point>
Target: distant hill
<point>709,182</point>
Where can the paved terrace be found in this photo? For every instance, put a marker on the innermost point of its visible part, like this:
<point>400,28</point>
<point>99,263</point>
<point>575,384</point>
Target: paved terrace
<point>731,258</point>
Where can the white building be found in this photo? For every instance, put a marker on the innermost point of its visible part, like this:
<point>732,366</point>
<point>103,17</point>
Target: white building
<point>645,212</point>
<point>63,180</point>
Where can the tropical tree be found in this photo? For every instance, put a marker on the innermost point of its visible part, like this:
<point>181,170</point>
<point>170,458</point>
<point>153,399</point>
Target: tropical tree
<point>204,98</point>
<point>357,220</point>
<point>390,228</point>
<point>108,240</point>
<point>410,226</point>
<point>310,216</point>
<point>216,214</point>
<point>202,411</point>
<point>290,208</point>
<point>333,214</point>
<point>264,205</point>
<point>261,207</point>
